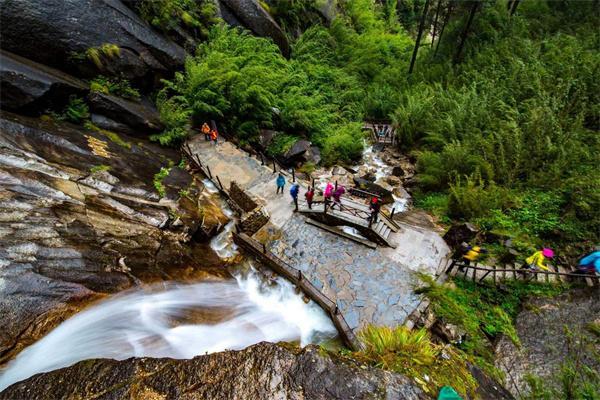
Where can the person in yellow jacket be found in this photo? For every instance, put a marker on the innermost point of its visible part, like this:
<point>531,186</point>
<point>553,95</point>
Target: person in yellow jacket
<point>470,254</point>
<point>537,259</point>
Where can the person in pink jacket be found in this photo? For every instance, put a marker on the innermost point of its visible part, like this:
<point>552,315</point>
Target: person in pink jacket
<point>328,192</point>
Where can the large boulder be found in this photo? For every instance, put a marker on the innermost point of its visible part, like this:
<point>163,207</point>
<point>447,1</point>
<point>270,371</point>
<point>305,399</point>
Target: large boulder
<point>263,371</point>
<point>302,151</point>
<point>60,33</point>
<point>28,87</point>
<point>132,117</point>
<point>254,17</point>
<point>80,216</point>
<point>458,233</point>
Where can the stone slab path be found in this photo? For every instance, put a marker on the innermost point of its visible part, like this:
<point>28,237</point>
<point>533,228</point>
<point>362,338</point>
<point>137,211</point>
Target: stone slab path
<point>371,286</point>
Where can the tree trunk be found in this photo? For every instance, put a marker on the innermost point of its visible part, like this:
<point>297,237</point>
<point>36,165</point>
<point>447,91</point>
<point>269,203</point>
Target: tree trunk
<point>446,19</point>
<point>465,33</point>
<point>513,7</point>
<point>435,21</point>
<point>419,34</point>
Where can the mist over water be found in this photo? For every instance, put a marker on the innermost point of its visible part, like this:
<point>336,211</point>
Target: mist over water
<point>162,321</point>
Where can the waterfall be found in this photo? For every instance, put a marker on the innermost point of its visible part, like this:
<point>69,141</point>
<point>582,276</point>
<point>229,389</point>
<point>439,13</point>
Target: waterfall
<point>177,321</point>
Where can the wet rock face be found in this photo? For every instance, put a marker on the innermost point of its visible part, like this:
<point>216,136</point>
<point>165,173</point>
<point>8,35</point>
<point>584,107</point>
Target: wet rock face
<point>542,329</point>
<point>131,117</point>
<point>263,371</point>
<point>27,86</point>
<point>79,216</point>
<point>58,33</point>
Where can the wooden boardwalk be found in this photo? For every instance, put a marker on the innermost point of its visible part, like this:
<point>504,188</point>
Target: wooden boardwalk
<point>383,132</point>
<point>559,274</point>
<point>297,278</point>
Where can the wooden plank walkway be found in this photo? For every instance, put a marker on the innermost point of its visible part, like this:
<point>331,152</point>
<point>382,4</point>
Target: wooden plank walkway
<point>296,277</point>
<point>383,133</point>
<point>493,274</point>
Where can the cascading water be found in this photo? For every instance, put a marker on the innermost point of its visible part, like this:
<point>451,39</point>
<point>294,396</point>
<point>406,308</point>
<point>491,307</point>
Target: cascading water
<point>160,322</point>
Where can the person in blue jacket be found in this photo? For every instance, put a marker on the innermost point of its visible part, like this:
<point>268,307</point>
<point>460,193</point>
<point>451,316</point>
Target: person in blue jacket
<point>280,183</point>
<point>590,264</point>
<point>294,190</point>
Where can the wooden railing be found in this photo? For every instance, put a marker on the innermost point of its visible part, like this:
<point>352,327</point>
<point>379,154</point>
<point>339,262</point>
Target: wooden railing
<point>295,276</point>
<point>517,273</point>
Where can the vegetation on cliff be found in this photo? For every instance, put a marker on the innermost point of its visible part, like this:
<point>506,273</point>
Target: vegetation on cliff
<point>501,114</point>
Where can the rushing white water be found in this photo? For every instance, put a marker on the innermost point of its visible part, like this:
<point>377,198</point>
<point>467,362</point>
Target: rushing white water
<point>156,322</point>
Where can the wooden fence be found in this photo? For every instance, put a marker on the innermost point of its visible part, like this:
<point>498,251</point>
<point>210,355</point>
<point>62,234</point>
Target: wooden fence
<point>297,278</point>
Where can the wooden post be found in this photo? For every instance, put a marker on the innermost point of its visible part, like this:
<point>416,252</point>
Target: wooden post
<point>313,185</point>
<point>274,169</point>
<point>264,248</point>
<point>198,161</point>
<point>220,184</point>
<point>392,214</point>
<point>336,310</point>
<point>209,174</point>
<point>336,185</point>
<point>262,159</point>
<point>299,276</point>
<point>293,175</point>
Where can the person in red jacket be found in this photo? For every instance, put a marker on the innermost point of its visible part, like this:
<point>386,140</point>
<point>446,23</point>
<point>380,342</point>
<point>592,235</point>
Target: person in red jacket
<point>310,193</point>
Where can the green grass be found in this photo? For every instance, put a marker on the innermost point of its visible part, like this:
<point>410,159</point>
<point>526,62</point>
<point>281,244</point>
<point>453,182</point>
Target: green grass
<point>99,168</point>
<point>412,353</point>
<point>105,51</point>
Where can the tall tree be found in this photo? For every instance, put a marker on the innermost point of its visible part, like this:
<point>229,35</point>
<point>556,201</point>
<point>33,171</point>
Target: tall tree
<point>419,34</point>
<point>446,19</point>
<point>435,21</point>
<point>465,32</point>
<point>513,6</point>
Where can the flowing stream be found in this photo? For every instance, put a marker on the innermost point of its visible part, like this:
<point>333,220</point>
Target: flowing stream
<point>177,321</point>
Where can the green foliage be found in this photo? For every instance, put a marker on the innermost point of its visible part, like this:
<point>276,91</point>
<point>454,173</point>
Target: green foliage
<point>294,16</point>
<point>281,144</point>
<point>76,111</point>
<point>118,87</point>
<point>158,181</point>
<point>435,203</point>
<point>99,168</point>
<point>482,311</point>
<point>471,200</point>
<point>412,353</point>
<point>170,15</point>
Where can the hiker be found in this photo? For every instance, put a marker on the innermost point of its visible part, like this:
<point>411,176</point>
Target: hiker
<point>375,206</point>
<point>470,254</point>
<point>294,193</point>
<point>327,193</point>
<point>206,130</point>
<point>337,197</point>
<point>536,260</point>
<point>590,263</point>
<point>280,183</point>
<point>214,135</point>
<point>310,193</point>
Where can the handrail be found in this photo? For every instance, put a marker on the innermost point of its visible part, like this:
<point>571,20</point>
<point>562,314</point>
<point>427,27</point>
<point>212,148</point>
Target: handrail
<point>530,271</point>
<point>297,278</point>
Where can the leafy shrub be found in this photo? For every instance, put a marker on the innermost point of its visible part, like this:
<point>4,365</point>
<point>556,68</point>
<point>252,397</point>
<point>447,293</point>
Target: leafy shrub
<point>473,199</point>
<point>118,87</point>
<point>344,144</point>
<point>75,111</point>
<point>99,168</point>
<point>281,144</point>
<point>158,181</point>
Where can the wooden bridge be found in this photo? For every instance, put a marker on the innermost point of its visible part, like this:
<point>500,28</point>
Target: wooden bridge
<point>381,132</point>
<point>354,214</point>
<point>559,274</point>
<point>296,277</point>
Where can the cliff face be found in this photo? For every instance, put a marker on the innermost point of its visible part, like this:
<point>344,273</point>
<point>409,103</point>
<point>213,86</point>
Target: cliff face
<point>263,371</point>
<point>80,216</point>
